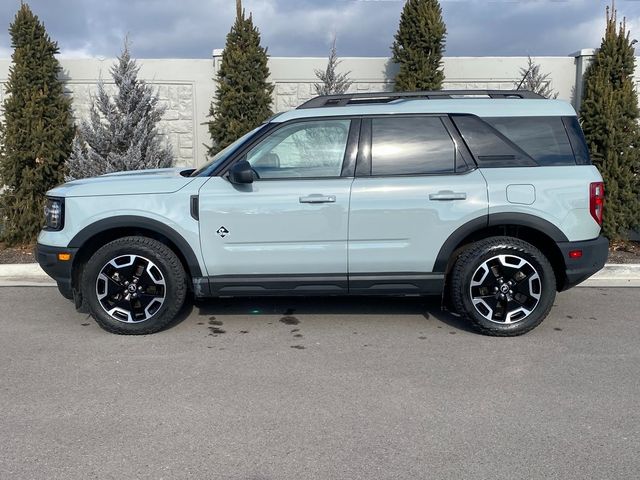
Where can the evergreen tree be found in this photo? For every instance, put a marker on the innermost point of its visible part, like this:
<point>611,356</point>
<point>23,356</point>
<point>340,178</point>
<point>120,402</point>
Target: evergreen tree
<point>332,82</point>
<point>35,137</point>
<point>535,81</point>
<point>243,95</point>
<point>122,132</point>
<point>419,45</point>
<point>609,117</point>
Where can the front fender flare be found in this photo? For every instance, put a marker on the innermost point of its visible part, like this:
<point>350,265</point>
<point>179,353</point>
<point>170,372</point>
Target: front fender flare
<point>133,221</point>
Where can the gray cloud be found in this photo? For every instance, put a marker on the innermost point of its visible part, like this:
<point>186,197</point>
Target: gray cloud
<point>192,28</point>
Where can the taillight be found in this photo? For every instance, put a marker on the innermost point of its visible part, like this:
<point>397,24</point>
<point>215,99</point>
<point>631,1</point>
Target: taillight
<point>596,201</point>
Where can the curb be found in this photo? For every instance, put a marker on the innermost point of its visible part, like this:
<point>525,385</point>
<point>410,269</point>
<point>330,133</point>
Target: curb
<point>30,275</point>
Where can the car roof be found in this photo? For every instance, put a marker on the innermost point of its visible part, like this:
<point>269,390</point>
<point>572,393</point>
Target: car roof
<point>482,107</point>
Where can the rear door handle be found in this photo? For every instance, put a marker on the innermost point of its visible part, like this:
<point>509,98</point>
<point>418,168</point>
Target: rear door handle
<point>318,198</point>
<point>445,195</point>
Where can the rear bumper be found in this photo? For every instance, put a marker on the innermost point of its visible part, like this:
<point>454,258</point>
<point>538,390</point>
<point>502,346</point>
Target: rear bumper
<point>594,256</point>
<point>60,271</point>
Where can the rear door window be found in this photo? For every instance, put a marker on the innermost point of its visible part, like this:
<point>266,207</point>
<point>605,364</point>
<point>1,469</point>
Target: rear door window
<point>411,146</point>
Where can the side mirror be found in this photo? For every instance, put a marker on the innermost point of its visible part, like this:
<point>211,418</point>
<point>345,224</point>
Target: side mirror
<point>241,172</point>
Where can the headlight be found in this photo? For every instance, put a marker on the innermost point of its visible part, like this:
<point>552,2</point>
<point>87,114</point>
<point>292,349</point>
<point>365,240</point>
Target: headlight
<point>54,214</point>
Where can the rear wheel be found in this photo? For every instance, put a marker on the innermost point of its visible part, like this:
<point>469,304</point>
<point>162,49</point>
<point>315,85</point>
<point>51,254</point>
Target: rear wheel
<point>504,286</point>
<point>134,286</point>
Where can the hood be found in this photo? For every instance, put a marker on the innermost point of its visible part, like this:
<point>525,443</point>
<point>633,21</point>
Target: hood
<point>135,182</point>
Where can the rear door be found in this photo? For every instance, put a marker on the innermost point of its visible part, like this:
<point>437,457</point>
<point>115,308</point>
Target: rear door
<point>415,185</point>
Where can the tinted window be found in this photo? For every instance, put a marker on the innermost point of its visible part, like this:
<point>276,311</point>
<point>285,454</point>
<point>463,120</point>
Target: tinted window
<point>490,148</point>
<point>304,149</point>
<point>578,143</point>
<point>543,138</point>
<point>416,145</point>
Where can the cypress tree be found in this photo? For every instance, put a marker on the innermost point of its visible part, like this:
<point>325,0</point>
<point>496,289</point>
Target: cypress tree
<point>243,95</point>
<point>37,131</point>
<point>609,116</point>
<point>419,45</point>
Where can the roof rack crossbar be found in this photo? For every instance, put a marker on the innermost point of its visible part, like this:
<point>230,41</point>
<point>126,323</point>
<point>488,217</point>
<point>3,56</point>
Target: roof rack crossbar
<point>386,97</point>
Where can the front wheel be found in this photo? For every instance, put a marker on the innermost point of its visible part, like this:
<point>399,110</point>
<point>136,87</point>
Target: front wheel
<point>134,286</point>
<point>504,286</point>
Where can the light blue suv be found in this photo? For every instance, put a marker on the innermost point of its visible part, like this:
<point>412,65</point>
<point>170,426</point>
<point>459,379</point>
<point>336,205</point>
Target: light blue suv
<point>486,197</point>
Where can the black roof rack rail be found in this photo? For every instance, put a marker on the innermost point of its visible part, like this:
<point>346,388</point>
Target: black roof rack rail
<point>386,97</point>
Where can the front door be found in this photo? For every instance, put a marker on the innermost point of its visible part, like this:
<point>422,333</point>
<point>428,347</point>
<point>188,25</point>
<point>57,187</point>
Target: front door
<point>288,229</point>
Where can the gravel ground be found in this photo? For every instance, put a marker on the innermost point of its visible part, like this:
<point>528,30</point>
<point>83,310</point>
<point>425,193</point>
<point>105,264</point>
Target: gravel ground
<point>23,254</point>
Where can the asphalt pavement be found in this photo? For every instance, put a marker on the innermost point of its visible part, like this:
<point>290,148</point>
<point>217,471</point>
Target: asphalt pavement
<point>288,388</point>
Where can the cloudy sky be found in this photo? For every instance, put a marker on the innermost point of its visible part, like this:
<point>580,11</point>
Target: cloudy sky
<point>192,28</point>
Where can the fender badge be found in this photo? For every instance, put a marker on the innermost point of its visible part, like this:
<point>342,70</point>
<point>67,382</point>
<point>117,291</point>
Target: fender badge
<point>222,231</point>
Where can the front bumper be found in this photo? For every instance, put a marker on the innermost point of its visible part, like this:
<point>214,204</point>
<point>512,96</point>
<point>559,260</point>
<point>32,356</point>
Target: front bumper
<point>594,256</point>
<point>61,271</point>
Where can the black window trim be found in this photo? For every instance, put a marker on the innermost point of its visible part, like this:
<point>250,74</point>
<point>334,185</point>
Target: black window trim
<point>348,161</point>
<point>464,161</point>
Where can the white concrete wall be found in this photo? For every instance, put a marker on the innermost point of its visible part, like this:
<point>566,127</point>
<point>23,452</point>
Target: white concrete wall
<point>187,86</point>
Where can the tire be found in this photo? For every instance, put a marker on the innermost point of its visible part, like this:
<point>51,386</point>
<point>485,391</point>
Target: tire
<point>479,294</point>
<point>134,286</point>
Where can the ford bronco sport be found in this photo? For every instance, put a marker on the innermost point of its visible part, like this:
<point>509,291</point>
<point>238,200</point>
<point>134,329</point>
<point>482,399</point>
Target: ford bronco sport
<point>486,197</point>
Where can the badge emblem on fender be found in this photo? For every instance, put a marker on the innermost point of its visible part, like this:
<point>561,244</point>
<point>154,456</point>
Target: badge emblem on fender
<point>222,231</point>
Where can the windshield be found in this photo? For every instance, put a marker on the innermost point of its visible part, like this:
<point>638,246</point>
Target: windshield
<point>223,154</point>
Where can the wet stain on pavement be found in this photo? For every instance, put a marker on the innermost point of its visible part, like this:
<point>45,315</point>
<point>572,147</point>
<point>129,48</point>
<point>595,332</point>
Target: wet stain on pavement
<point>215,327</point>
<point>289,320</point>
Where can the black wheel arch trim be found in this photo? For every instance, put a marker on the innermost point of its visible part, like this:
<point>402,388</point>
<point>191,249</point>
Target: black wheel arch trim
<point>493,220</point>
<point>136,222</point>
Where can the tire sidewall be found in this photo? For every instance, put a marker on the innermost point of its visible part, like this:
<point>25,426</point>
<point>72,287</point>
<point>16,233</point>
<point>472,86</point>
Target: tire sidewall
<point>158,254</point>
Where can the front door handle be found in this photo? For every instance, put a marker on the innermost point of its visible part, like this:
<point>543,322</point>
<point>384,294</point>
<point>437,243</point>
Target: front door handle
<point>318,198</point>
<point>444,195</point>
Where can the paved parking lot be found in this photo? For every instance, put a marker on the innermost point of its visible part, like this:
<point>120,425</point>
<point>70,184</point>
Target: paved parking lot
<point>320,389</point>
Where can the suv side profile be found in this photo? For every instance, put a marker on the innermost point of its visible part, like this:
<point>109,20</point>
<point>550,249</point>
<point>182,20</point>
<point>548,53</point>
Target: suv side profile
<point>488,198</point>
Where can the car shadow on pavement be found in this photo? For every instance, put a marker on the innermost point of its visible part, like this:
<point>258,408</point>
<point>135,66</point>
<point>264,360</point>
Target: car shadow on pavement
<point>428,307</point>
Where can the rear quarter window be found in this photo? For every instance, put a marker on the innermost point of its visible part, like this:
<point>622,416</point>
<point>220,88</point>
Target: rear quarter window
<point>544,139</point>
